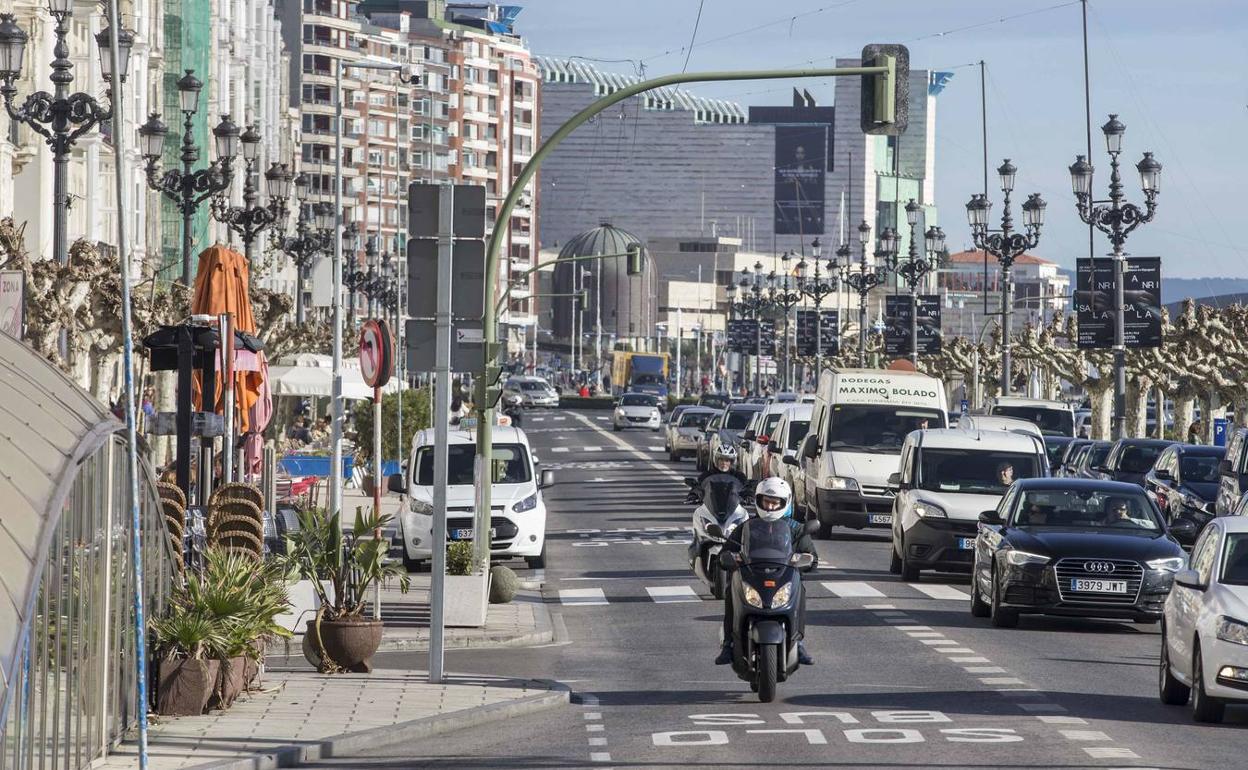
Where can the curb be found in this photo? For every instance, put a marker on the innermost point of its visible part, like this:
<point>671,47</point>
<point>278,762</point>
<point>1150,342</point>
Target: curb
<point>339,745</point>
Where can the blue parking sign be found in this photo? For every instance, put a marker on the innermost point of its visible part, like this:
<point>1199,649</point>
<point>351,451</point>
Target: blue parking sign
<point>966,406</point>
<point>1220,425</point>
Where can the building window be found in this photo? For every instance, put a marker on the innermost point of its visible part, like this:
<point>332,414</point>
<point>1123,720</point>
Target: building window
<point>420,106</point>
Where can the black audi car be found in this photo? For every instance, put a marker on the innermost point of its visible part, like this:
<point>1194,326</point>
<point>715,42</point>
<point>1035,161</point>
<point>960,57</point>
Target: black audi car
<point>1075,547</point>
<point>1184,484</point>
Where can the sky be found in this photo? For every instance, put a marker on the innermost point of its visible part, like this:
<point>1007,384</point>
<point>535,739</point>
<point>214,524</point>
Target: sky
<point>1173,70</point>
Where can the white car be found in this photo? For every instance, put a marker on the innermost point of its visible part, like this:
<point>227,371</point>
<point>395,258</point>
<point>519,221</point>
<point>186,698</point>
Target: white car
<point>947,478</point>
<point>981,422</point>
<point>534,391</point>
<point>685,431</point>
<point>1204,635</point>
<point>752,452</point>
<point>782,449</point>
<point>637,410</point>
<point>518,516</point>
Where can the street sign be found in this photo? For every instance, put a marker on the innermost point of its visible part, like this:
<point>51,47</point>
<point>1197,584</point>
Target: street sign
<point>467,281</point>
<point>1220,425</point>
<point>897,310</point>
<point>829,331</point>
<point>467,340</point>
<point>12,302</point>
<point>1094,302</point>
<point>475,336</point>
<point>468,210</point>
<point>746,336</point>
<point>376,353</point>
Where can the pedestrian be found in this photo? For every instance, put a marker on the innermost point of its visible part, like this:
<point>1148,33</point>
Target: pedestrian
<point>1194,432</point>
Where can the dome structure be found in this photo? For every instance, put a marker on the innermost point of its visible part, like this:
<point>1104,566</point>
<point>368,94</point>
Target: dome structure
<point>627,305</point>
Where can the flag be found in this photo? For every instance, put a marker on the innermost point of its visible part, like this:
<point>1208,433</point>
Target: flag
<point>937,81</point>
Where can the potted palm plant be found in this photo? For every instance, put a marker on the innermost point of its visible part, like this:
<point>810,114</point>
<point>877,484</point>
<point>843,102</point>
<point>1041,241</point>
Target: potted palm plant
<point>189,644</point>
<point>351,562</point>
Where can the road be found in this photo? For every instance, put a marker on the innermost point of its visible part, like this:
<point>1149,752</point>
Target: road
<point>904,676</point>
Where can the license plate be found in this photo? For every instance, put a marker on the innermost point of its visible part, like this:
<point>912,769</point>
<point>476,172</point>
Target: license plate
<point>966,543</point>
<point>466,534</point>
<point>1099,586</point>
<point>879,518</point>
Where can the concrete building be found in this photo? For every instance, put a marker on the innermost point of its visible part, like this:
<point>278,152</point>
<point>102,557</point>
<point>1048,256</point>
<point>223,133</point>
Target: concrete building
<point>1041,290</point>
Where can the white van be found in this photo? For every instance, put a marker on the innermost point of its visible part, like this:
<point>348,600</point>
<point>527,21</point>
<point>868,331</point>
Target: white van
<point>948,478</point>
<point>860,419</point>
<point>985,422</point>
<point>518,512</point>
<point>1053,418</point>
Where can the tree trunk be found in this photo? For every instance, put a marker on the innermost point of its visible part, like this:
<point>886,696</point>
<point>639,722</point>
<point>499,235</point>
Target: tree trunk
<point>1184,414</point>
<point>1102,411</point>
<point>1137,407</point>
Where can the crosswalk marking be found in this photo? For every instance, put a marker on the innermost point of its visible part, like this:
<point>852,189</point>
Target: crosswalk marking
<point>1111,752</point>
<point>582,596</point>
<point>559,449</point>
<point>592,448</point>
<point>657,449</point>
<point>847,589</point>
<point>939,591</point>
<point>669,594</point>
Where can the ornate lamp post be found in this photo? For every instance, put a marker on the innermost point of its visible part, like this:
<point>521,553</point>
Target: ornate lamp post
<point>863,282</point>
<point>754,303</point>
<point>916,268</point>
<point>59,117</point>
<point>816,287</point>
<point>313,239</point>
<point>189,188</point>
<point>354,277</point>
<point>1117,219</point>
<point>886,253</point>
<point>1006,244</point>
<point>250,219</point>
<point>786,295</point>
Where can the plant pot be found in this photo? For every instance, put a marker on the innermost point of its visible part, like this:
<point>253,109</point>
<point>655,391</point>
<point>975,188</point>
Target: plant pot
<point>230,682</point>
<point>467,597</point>
<point>185,686</point>
<point>350,643</point>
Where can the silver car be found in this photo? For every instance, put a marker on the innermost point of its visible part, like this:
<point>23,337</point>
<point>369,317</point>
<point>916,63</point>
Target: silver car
<point>535,391</point>
<point>685,430</point>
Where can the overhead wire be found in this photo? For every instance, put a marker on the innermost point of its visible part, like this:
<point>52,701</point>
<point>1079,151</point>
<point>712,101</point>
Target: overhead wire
<point>694,36</point>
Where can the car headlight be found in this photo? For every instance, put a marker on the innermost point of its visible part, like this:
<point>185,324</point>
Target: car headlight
<point>840,483</point>
<point>619,412</point>
<point>1024,558</point>
<point>527,504</point>
<point>1232,630</point>
<point>1193,502</point>
<point>420,506</point>
<point>1170,564</point>
<point>929,511</point>
<point>752,598</point>
<point>781,598</point>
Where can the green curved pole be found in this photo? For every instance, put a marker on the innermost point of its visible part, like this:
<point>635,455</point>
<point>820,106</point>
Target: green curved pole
<point>483,474</point>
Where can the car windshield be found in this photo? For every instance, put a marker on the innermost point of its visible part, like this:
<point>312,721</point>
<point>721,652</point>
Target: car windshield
<point>972,471</point>
<point>638,399</point>
<point>1055,451</point>
<point>797,432</point>
<point>1085,509</point>
<point>738,419</point>
<point>511,464</point>
<point>648,379</point>
<point>872,428</point>
<point>769,541</point>
<point>1139,458</point>
<point>1235,566</point>
<point>530,385</point>
<point>695,419</point>
<point>719,402</point>
<point>1199,469</point>
<point>769,424</point>
<point>1052,422</point>
<point>1097,454</point>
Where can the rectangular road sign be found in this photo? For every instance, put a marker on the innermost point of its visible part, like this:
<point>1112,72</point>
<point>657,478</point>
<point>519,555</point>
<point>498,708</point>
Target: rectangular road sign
<point>469,210</point>
<point>467,340</point>
<point>467,283</point>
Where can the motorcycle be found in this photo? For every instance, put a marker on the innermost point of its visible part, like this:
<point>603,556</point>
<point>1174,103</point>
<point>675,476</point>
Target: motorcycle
<point>719,504</point>
<point>512,406</point>
<point>767,593</point>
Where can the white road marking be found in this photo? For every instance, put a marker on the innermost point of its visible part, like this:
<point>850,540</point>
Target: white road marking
<point>1110,752</point>
<point>589,700</point>
<point>1062,720</point>
<point>582,596</point>
<point>670,594</point>
<point>597,741</point>
<point>983,669</point>
<point>657,449</point>
<point>592,716</point>
<point>848,589</point>
<point>599,756</point>
<point>559,418</point>
<point>1084,735</point>
<point>591,449</point>
<point>595,728</point>
<point>879,606</point>
<point>971,659</point>
<point>958,651</point>
<point>537,419</point>
<point>923,634</point>
<point>559,449</point>
<point>939,642</point>
<point>1001,680</point>
<point>1041,707</point>
<point>913,628</point>
<point>939,591</point>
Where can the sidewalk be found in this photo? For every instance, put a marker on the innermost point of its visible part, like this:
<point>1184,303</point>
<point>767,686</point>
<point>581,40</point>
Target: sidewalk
<point>302,716</point>
<point>524,621</point>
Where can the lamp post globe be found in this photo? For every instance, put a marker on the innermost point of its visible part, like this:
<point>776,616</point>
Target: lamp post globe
<point>189,87</point>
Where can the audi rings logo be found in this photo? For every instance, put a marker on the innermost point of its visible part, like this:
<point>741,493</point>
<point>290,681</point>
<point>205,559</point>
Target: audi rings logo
<point>1102,567</point>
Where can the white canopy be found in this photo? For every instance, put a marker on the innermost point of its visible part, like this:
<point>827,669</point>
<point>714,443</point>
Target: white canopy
<point>311,374</point>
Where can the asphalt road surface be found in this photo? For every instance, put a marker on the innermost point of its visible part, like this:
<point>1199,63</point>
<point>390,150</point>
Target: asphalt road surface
<point>904,676</point>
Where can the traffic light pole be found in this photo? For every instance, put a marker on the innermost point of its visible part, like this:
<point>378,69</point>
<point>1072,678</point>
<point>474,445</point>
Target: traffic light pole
<point>493,253</point>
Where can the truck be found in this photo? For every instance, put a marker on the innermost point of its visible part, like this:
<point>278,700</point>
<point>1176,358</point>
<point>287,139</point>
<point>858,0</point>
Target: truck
<point>639,373</point>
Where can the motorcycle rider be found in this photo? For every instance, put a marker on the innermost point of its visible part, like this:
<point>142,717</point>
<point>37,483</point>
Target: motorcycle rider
<point>724,461</point>
<point>773,500</point>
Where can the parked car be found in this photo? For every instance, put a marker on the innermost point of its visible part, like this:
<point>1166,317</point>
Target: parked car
<point>783,446</point>
<point>1232,473</point>
<point>1070,456</point>
<point>1055,446</point>
<point>669,421</point>
<point>637,410</point>
<point>1204,637</point>
<point>731,426</point>
<point>1090,460</point>
<point>1184,483</point>
<point>1130,458</point>
<point>685,431</point>
<point>754,440</point>
<point>702,456</point>
<point>1073,547</point>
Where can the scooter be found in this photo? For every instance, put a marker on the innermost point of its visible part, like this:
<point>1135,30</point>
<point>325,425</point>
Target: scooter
<point>719,498</point>
<point>767,593</point>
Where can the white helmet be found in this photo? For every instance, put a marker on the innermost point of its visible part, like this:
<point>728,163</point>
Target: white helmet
<point>773,499</point>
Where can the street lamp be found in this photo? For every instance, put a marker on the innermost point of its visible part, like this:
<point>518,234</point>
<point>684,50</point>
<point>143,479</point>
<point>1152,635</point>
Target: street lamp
<point>59,117</point>
<point>817,287</point>
<point>189,187</point>
<point>354,277</point>
<point>755,303</point>
<point>1006,244</point>
<point>1117,219</point>
<point>312,240</point>
<point>863,282</point>
<point>786,295</point>
<point>250,219</point>
<point>917,267</point>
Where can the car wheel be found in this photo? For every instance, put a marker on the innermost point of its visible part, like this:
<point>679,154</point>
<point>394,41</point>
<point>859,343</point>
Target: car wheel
<point>979,607</point>
<point>413,565</point>
<point>1001,617</point>
<point>909,570</point>
<point>894,561</point>
<point>615,427</point>
<point>825,531</point>
<point>539,561</point>
<point>1171,690</point>
<point>1205,708</point>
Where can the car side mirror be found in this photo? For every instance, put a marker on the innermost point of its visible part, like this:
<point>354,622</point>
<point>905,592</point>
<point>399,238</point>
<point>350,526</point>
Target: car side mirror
<point>811,526</point>
<point>749,435</point>
<point>773,447</point>
<point>1189,578</point>
<point>1185,531</point>
<point>395,483</point>
<point>789,460</point>
<point>810,449</point>
<point>690,481</point>
<point>1163,474</point>
<point>547,479</point>
<point>713,531</point>
<point>894,480</point>
<point>990,517</point>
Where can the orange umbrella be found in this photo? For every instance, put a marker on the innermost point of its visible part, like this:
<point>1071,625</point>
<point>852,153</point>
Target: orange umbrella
<point>221,287</point>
